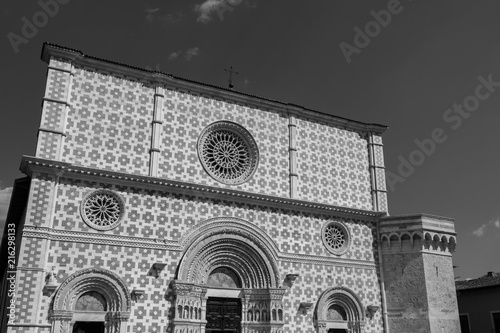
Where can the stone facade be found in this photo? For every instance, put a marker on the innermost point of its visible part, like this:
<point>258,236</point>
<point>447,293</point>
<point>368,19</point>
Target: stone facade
<point>120,206</point>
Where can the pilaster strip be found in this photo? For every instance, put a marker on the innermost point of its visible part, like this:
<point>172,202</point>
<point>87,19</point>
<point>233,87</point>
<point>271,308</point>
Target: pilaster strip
<point>376,192</point>
<point>67,109</point>
<point>292,129</point>
<point>156,135</point>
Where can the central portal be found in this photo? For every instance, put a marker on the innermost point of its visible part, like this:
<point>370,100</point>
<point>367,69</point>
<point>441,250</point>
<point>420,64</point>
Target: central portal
<point>223,315</point>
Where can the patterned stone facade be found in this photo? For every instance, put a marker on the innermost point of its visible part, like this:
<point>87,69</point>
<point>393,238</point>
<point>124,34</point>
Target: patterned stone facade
<point>135,133</point>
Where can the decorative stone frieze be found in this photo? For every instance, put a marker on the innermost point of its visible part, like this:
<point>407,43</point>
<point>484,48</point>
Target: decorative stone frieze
<point>418,233</point>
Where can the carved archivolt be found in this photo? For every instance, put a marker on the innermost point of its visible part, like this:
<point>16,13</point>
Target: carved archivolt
<point>246,255</point>
<point>114,292</point>
<point>231,243</point>
<point>344,301</point>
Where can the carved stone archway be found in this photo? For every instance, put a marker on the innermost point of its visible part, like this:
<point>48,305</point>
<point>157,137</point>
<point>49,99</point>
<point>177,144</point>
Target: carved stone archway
<point>243,249</point>
<point>339,308</point>
<point>114,292</point>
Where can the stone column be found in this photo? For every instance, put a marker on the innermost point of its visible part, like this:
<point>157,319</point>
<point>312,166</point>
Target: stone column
<point>62,321</point>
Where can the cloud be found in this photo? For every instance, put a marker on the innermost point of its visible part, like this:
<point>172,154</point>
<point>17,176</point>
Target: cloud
<point>174,55</point>
<point>479,232</point>
<point>194,51</point>
<point>188,55</point>
<point>173,17</point>
<point>150,13</point>
<point>153,14</point>
<point>206,9</point>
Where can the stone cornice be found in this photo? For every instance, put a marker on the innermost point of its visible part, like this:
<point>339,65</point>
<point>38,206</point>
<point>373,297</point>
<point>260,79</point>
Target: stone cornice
<point>176,83</point>
<point>33,164</point>
<point>416,223</point>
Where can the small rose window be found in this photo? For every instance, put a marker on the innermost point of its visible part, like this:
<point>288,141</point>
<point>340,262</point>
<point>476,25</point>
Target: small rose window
<point>336,237</point>
<point>102,209</point>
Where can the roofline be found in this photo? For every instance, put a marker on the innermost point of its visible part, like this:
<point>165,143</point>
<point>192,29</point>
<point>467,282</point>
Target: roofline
<point>417,216</point>
<point>177,83</point>
<point>459,288</point>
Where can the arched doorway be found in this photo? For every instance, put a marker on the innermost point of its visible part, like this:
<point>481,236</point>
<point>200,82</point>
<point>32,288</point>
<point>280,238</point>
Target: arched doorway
<point>223,313</point>
<point>91,300</point>
<point>89,313</point>
<point>229,271</point>
<point>339,310</point>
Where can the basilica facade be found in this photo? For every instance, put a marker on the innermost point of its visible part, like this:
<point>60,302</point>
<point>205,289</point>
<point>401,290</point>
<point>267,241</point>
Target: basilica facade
<point>159,204</point>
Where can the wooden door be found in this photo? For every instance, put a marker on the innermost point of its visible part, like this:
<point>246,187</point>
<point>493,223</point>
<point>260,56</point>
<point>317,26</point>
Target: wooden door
<point>223,315</point>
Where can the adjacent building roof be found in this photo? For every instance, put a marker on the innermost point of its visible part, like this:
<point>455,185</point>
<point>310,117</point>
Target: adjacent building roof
<point>491,279</point>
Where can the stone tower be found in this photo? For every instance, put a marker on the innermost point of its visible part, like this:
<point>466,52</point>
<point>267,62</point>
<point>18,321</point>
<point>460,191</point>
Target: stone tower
<point>418,273</point>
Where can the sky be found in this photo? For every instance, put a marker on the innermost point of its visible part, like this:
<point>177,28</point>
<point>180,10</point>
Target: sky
<point>430,70</point>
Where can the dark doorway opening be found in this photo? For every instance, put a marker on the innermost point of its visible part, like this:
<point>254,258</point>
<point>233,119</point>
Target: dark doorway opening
<point>223,315</point>
<point>88,327</point>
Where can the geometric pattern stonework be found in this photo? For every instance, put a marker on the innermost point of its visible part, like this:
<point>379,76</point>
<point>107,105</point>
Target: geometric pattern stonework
<point>109,123</point>
<point>154,214</point>
<point>108,127</point>
<point>333,166</point>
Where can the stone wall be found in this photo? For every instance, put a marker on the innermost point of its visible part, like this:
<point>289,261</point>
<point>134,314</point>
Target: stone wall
<point>406,292</point>
<point>441,294</point>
